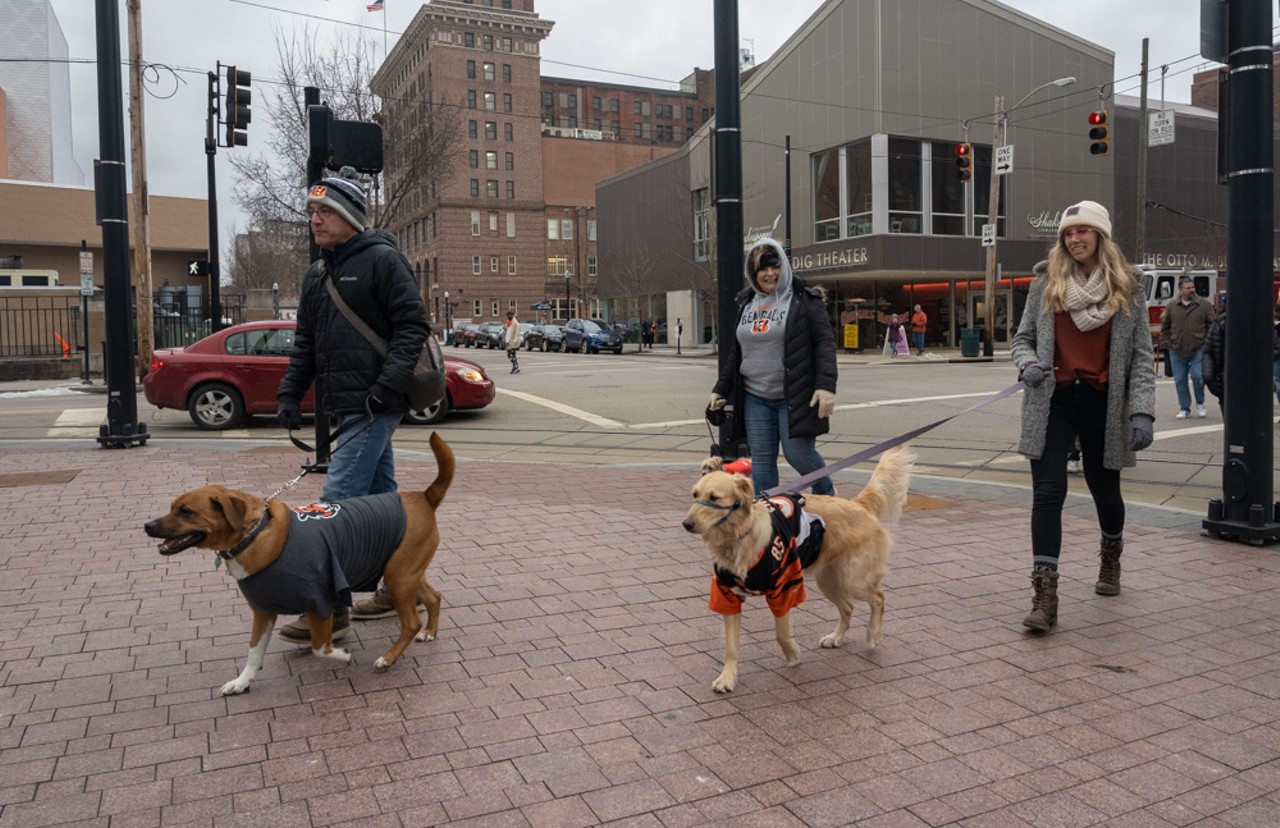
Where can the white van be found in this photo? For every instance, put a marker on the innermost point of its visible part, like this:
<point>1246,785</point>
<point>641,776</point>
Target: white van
<point>1161,285</point>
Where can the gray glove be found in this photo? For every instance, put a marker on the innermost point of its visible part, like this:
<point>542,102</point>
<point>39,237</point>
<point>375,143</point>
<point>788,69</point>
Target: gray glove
<point>1141,431</point>
<point>716,402</point>
<point>1033,375</point>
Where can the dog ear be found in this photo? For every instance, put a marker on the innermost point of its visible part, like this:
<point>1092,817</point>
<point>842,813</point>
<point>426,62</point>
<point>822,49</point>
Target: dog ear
<point>712,464</point>
<point>746,492</point>
<point>235,506</point>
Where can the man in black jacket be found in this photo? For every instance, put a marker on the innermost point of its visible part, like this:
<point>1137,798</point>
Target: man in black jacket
<point>357,384</point>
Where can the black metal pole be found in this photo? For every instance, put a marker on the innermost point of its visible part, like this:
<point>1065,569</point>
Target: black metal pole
<point>121,429</point>
<point>211,152</point>
<point>84,316</point>
<point>1247,510</point>
<point>786,244</point>
<point>728,189</point>
<point>315,172</point>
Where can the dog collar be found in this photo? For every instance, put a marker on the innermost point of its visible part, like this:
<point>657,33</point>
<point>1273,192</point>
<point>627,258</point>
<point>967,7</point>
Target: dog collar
<point>729,509</point>
<point>230,554</point>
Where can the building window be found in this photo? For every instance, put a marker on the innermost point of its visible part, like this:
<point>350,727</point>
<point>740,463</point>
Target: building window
<point>475,265</point>
<point>506,41</point>
<point>491,101</point>
<point>495,307</point>
<point>506,73</point>
<point>511,265</point>
<point>591,266</point>
<point>591,229</point>
<point>597,103</point>
<point>948,192</point>
<point>475,222</point>
<point>566,229</point>
<point>469,40</point>
<point>493,222</point>
<point>639,130</point>
<point>490,71</point>
<point>471,70</point>
<point>472,129</point>
<point>701,224</point>
<point>511,160</point>
<point>573,101</point>
<point>475,308</point>
<point>473,158</point>
<point>511,225</point>
<point>511,189</point>
<point>475,188</point>
<point>596,125</point>
<point>487,41</point>
<point>508,134</point>
<point>506,101</point>
<point>636,107</point>
<point>547,99</point>
<point>553,228</point>
<point>559,266</point>
<point>688,113</point>
<point>491,130</point>
<point>573,122</point>
<point>493,265</point>
<point>471,99</point>
<point>906,208</point>
<point>491,160</point>
<point>613,104</point>
<point>616,128</point>
<point>506,4</point>
<point>491,188</point>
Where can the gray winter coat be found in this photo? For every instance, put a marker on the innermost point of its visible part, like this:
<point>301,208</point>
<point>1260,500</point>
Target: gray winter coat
<point>1131,388</point>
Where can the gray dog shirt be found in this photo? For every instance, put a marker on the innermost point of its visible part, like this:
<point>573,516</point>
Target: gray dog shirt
<point>333,549</point>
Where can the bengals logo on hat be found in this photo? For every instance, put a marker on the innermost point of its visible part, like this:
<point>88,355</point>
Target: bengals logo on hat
<point>319,191</point>
<point>317,511</point>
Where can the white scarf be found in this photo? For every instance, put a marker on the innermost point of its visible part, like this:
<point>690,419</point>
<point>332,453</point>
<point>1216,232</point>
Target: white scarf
<point>1083,301</point>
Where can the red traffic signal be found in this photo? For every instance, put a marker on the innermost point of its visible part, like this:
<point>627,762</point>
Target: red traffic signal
<point>964,162</point>
<point>1099,133</point>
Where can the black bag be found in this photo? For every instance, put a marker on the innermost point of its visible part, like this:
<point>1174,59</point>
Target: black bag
<point>1168,363</point>
<point>426,387</point>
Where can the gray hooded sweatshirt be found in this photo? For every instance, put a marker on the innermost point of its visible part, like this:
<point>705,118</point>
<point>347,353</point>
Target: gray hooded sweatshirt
<point>762,330</point>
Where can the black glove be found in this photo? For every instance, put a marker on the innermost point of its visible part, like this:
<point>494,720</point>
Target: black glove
<point>383,399</point>
<point>1141,431</point>
<point>1033,375</point>
<point>289,414</point>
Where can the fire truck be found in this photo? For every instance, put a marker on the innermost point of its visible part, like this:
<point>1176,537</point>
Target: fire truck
<point>1159,285</point>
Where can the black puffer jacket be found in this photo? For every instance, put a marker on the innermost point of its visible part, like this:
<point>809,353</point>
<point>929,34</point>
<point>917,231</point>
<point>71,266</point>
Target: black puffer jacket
<point>809,362</point>
<point>377,284</point>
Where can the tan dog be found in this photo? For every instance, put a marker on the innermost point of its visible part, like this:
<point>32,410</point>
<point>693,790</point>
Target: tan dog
<point>232,522</point>
<point>851,561</point>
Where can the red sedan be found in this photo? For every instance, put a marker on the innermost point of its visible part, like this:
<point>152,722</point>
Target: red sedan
<point>234,373</point>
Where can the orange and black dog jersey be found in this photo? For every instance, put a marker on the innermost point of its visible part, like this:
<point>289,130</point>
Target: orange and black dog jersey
<point>779,573</point>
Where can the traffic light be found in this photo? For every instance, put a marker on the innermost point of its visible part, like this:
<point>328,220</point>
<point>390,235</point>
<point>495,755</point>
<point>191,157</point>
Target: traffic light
<point>964,162</point>
<point>236,115</point>
<point>1099,133</point>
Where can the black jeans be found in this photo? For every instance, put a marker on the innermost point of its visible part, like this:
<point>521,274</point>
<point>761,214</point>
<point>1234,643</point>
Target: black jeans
<point>1080,410</point>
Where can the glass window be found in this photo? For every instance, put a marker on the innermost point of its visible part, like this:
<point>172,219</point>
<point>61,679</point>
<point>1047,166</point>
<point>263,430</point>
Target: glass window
<point>566,229</point>
<point>495,308</point>
<point>826,195</point>
<point>490,71</point>
<point>573,101</point>
<point>547,99</point>
<point>591,266</point>
<point>491,101</point>
<point>511,265</point>
<point>472,129</point>
<point>859,184</point>
<point>471,70</point>
<point>493,266</point>
<point>553,228</point>
<point>473,158</point>
<point>511,189</point>
<point>475,222</point>
<point>511,225</point>
<point>491,188</point>
<point>471,99</point>
<point>475,265</point>
<point>591,229</point>
<point>487,40</point>
<point>639,130</point>
<point>948,192</point>
<point>506,101</point>
<point>475,308</point>
<point>491,130</point>
<point>597,103</point>
<point>906,210</point>
<point>636,107</point>
<point>469,39</point>
<point>508,133</point>
<point>511,160</point>
<point>506,73</point>
<point>493,222</point>
<point>701,224</point>
<point>491,160</point>
<point>506,41</point>
<point>559,266</point>
<point>475,187</point>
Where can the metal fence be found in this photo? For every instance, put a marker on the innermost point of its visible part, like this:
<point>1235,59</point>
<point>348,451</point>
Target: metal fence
<point>181,319</point>
<point>40,326</point>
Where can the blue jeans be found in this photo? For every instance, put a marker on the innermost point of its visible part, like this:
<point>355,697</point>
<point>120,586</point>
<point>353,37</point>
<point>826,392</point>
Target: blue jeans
<point>766,423</point>
<point>917,339</point>
<point>363,463</point>
<point>1181,367</point>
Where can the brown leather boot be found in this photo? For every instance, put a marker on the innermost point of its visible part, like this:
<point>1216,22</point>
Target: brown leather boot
<point>1109,570</point>
<point>1044,605</point>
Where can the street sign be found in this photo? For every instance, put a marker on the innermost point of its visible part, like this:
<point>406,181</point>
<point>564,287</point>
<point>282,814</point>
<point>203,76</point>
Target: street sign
<point>86,273</point>
<point>1004,159</point>
<point>541,306</point>
<point>988,235</point>
<point>1160,128</point>
<point>197,267</point>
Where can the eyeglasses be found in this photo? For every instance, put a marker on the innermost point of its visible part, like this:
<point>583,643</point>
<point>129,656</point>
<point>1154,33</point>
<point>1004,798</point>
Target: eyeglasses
<point>1076,231</point>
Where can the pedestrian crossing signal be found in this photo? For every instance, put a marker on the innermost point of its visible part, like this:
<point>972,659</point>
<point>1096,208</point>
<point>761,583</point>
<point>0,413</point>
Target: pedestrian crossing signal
<point>964,162</point>
<point>1099,133</point>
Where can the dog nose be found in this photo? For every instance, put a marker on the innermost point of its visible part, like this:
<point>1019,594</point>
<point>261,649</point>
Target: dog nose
<point>688,524</point>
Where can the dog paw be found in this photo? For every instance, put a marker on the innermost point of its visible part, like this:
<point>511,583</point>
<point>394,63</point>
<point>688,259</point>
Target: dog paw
<point>334,653</point>
<point>830,641</point>
<point>382,664</point>
<point>425,636</point>
<point>235,687</point>
<point>792,659</point>
<point>724,684</point>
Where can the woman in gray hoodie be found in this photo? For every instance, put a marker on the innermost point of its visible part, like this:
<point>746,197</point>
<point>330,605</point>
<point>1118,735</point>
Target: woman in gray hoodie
<point>781,371</point>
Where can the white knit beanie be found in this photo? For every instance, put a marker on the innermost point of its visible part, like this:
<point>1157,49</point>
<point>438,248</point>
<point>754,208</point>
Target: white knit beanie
<point>1089,213</point>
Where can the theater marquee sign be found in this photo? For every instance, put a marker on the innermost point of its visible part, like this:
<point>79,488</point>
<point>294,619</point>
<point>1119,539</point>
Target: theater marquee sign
<point>827,259</point>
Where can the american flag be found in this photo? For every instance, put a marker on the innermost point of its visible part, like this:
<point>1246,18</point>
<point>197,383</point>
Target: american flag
<point>376,5</point>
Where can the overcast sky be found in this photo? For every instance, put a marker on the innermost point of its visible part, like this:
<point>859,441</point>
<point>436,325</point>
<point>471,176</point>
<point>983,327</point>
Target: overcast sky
<point>638,43</point>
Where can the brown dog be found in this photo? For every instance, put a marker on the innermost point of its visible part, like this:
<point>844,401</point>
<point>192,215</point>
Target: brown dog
<point>746,544</point>
<point>251,534</point>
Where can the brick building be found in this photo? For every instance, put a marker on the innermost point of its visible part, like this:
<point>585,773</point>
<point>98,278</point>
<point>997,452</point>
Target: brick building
<point>512,221</point>
<point>1204,87</point>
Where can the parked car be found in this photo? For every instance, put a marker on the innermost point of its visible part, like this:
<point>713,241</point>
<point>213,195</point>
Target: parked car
<point>464,335</point>
<point>591,335</point>
<point>489,335</point>
<point>233,374</point>
<point>544,337</point>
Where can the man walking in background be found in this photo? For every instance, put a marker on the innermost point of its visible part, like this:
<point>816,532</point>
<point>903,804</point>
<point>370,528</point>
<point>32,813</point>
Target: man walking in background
<point>1183,328</point>
<point>919,324</point>
<point>511,341</point>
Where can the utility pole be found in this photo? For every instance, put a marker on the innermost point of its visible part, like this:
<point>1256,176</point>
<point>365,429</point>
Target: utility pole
<point>727,178</point>
<point>141,193</point>
<point>211,153</point>
<point>993,212</point>
<point>122,429</point>
<point>1140,249</point>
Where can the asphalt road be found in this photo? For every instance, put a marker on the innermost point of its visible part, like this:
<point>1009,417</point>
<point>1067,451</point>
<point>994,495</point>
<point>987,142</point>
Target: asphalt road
<point>646,409</point>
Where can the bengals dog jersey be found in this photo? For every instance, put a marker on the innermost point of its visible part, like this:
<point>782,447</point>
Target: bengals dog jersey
<point>778,574</point>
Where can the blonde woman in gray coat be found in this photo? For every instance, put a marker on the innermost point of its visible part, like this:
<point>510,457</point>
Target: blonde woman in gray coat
<point>1083,351</point>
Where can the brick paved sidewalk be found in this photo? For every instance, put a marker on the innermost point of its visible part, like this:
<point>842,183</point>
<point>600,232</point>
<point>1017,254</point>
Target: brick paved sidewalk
<point>571,683</point>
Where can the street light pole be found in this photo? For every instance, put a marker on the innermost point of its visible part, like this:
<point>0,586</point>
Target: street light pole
<point>993,212</point>
<point>448,325</point>
<point>275,300</point>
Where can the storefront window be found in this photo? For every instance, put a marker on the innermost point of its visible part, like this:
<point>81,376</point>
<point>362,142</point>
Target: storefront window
<point>858,163</point>
<point>826,189</point>
<point>906,208</point>
<point>948,192</point>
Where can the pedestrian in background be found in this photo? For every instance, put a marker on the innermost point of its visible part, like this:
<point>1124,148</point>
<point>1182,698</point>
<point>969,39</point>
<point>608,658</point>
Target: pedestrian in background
<point>781,370</point>
<point>511,341</point>
<point>919,324</point>
<point>1214,364</point>
<point>1183,327</point>
<point>377,284</point>
<point>892,335</point>
<point>1084,353</point>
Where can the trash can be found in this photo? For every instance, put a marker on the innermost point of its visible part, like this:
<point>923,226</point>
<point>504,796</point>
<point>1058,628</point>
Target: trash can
<point>448,337</point>
<point>969,342</point>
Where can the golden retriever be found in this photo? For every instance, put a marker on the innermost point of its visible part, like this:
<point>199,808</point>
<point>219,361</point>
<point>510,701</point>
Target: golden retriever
<point>738,531</point>
<point>250,535</point>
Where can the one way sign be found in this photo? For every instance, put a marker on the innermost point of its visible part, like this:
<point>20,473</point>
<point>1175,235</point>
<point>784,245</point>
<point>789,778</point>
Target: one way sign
<point>197,267</point>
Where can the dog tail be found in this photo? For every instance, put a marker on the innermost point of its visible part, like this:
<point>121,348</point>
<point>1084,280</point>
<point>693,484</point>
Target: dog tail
<point>444,474</point>
<point>886,493</point>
